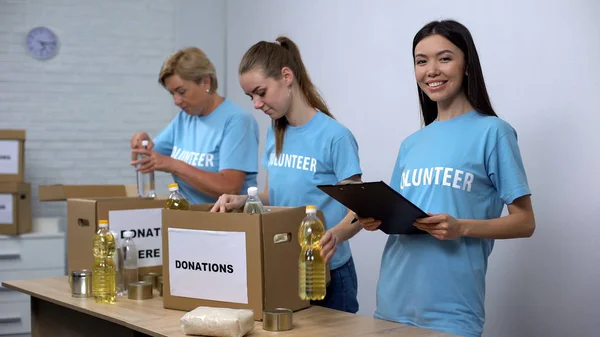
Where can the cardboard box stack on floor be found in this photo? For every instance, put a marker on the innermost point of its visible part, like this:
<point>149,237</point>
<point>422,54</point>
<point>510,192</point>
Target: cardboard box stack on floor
<point>15,193</point>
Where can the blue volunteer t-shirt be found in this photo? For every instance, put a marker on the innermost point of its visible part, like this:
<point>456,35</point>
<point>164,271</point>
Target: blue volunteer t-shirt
<point>226,139</point>
<point>468,167</point>
<point>322,151</point>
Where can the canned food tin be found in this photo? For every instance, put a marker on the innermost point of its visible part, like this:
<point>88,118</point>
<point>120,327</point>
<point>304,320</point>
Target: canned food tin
<point>278,319</point>
<point>152,278</point>
<point>81,283</point>
<point>141,290</point>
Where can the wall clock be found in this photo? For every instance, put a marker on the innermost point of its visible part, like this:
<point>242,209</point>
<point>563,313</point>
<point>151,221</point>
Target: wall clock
<point>42,43</point>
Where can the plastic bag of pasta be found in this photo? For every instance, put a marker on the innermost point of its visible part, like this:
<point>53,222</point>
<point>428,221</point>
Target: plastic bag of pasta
<point>218,322</point>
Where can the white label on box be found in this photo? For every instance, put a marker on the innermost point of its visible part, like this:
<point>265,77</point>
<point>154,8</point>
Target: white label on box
<point>209,265</point>
<point>6,209</point>
<point>9,157</point>
<point>146,225</point>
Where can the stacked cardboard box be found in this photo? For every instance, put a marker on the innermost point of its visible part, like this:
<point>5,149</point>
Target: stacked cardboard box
<point>15,193</point>
<point>119,204</point>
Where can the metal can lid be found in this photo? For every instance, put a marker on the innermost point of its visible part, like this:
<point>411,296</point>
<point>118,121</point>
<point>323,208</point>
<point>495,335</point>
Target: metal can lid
<point>278,319</point>
<point>81,273</point>
<point>141,290</point>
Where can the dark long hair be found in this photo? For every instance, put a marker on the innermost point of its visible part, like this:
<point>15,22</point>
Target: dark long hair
<point>473,83</point>
<point>271,57</point>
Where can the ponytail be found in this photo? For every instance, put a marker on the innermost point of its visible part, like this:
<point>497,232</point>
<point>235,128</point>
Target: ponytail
<point>271,57</point>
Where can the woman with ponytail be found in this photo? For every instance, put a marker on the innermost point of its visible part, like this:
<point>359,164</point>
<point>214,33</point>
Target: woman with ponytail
<point>305,147</point>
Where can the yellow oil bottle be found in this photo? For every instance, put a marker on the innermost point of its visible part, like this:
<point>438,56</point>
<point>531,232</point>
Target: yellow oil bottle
<point>311,265</point>
<point>104,273</point>
<point>176,200</point>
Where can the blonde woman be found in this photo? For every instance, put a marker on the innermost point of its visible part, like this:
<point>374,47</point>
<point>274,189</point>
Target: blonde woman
<point>211,146</point>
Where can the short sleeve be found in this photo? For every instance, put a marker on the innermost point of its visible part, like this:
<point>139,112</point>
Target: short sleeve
<point>163,143</point>
<point>344,152</point>
<point>239,148</point>
<point>396,174</point>
<point>505,168</point>
<point>268,148</point>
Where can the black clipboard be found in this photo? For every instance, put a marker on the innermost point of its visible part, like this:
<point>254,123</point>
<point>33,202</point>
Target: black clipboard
<point>379,201</point>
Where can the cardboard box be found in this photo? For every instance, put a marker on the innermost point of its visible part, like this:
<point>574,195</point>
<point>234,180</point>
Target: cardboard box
<point>231,259</point>
<point>61,192</point>
<point>12,155</point>
<point>82,223</point>
<point>15,208</point>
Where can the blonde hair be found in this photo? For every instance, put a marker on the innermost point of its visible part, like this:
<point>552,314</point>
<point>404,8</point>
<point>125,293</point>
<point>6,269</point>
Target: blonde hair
<point>190,64</point>
<point>270,58</point>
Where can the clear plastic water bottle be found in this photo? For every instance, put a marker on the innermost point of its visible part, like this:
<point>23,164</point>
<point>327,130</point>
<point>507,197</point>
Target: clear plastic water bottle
<point>145,181</point>
<point>118,259</point>
<point>253,204</point>
<point>130,260</point>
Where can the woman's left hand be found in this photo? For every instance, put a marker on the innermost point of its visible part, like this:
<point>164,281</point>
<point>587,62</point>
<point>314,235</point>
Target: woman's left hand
<point>442,226</point>
<point>153,161</point>
<point>328,243</point>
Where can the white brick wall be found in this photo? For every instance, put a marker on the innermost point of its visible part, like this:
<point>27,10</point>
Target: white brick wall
<point>81,107</point>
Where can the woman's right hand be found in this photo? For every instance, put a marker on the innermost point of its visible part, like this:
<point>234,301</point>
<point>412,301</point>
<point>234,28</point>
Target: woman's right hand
<point>229,202</point>
<point>369,224</point>
<point>136,140</point>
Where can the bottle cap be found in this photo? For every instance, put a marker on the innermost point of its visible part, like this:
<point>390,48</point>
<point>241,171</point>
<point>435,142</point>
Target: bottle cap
<point>145,142</point>
<point>311,209</point>
<point>102,223</point>
<point>253,191</point>
<point>173,187</point>
<point>128,234</point>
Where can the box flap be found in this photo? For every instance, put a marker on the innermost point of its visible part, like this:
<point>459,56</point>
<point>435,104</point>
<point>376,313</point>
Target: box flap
<point>12,134</point>
<point>202,207</point>
<point>131,190</point>
<point>280,264</point>
<point>14,187</point>
<point>61,192</point>
<point>81,225</point>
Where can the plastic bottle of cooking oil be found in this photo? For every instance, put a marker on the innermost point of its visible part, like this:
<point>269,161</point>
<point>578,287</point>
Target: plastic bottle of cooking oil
<point>311,265</point>
<point>176,200</point>
<point>253,204</point>
<point>104,272</point>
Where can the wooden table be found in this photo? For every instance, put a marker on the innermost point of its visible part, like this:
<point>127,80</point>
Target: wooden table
<point>55,313</point>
